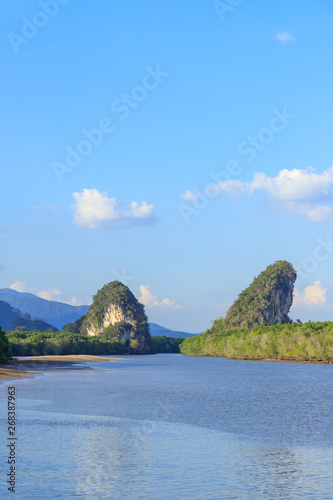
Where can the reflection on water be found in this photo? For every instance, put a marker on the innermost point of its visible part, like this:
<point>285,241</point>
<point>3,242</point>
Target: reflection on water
<point>169,427</point>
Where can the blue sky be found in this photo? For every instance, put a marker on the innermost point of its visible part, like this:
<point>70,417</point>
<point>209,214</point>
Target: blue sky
<point>180,147</point>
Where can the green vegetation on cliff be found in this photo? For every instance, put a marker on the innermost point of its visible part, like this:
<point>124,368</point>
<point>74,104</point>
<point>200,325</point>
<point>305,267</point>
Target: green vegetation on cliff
<point>117,294</point>
<point>117,330</point>
<point>74,327</point>
<point>257,325</point>
<point>266,301</point>
<point>300,342</point>
<point>117,315</point>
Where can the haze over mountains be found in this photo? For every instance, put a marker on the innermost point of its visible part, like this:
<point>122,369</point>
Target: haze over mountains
<point>11,318</point>
<point>159,330</point>
<point>55,313</point>
<point>58,314</point>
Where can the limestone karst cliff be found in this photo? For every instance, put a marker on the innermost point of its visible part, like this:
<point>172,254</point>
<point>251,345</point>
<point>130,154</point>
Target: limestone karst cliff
<point>116,313</point>
<point>266,301</point>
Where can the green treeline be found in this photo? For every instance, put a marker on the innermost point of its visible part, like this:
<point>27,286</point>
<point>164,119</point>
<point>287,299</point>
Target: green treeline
<point>24,343</point>
<point>164,344</point>
<point>4,348</point>
<point>311,341</point>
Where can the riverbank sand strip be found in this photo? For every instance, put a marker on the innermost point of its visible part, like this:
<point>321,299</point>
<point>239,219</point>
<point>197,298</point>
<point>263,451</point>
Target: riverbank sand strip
<point>66,358</point>
<point>6,373</point>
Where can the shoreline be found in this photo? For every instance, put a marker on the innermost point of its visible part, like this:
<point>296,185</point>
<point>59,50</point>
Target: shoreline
<point>8,371</point>
<point>66,358</point>
<point>274,360</point>
<point>10,374</point>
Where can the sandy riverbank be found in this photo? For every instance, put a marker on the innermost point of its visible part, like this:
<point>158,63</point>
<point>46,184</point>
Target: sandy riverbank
<point>274,360</point>
<point>69,358</point>
<point>9,371</point>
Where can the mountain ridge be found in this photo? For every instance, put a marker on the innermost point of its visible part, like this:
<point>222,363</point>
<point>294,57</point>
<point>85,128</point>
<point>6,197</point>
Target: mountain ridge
<point>11,318</point>
<point>44,309</point>
<point>160,331</point>
<point>52,312</point>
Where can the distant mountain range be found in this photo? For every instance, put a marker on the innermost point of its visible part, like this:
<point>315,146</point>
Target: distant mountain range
<point>10,318</point>
<point>58,314</point>
<point>159,330</point>
<point>55,313</point>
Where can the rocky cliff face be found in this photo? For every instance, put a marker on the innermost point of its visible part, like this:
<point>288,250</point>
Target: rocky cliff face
<point>266,301</point>
<point>280,302</point>
<point>116,313</point>
<point>113,314</point>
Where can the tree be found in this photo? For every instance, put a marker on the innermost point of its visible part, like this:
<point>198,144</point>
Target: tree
<point>4,348</point>
<point>20,329</point>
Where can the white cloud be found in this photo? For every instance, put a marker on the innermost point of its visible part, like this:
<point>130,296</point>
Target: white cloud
<point>232,186</point>
<point>74,301</point>
<point>313,212</point>
<point>49,294</point>
<point>189,196</point>
<point>285,37</point>
<point>50,206</point>
<point>36,209</point>
<point>300,191</point>
<point>313,295</point>
<point>19,286</point>
<point>95,210</point>
<point>295,184</point>
<point>150,300</point>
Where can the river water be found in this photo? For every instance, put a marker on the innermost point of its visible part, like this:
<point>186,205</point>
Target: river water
<point>172,427</point>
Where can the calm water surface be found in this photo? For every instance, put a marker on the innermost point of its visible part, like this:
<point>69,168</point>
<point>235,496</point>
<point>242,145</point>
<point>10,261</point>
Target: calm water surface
<point>171,427</point>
